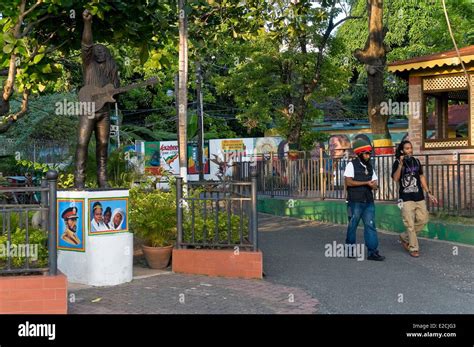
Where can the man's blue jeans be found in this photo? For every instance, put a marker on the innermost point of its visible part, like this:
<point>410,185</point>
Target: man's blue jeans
<point>366,211</point>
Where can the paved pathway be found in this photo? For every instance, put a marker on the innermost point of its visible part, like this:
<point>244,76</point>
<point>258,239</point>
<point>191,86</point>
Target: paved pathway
<point>176,293</point>
<point>438,282</point>
<point>300,278</point>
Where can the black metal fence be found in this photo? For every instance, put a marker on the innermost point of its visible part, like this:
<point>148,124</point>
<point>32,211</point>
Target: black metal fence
<point>29,229</point>
<point>451,183</point>
<point>217,214</point>
<point>38,151</point>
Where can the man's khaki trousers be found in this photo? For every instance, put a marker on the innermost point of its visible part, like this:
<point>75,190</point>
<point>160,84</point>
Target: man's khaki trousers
<point>415,216</point>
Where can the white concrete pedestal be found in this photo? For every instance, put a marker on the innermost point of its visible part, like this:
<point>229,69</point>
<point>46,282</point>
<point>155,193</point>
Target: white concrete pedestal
<point>99,254</point>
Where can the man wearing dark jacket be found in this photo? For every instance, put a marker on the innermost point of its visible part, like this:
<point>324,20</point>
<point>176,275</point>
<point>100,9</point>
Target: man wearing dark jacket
<point>361,181</point>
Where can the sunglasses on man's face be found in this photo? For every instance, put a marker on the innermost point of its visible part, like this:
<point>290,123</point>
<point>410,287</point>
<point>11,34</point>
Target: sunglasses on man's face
<point>369,153</point>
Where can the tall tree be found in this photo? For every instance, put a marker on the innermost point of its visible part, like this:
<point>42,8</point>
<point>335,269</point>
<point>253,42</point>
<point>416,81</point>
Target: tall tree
<point>280,74</point>
<point>307,31</point>
<point>415,28</point>
<point>374,57</point>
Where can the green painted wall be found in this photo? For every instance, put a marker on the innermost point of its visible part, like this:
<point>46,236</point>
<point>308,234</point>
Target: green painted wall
<point>387,217</point>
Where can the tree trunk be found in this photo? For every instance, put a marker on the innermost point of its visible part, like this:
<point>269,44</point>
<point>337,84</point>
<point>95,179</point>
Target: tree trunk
<point>296,127</point>
<point>9,85</point>
<point>374,58</point>
<point>9,120</point>
<point>10,81</point>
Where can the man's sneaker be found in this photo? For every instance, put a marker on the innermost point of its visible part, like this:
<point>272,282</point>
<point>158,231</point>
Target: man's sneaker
<point>405,244</point>
<point>415,254</point>
<point>376,257</point>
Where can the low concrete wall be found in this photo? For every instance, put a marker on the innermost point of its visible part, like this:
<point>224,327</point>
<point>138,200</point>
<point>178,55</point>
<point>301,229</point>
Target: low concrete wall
<point>387,217</point>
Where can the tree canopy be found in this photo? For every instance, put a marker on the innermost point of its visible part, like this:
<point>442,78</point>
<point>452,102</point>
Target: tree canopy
<point>266,64</point>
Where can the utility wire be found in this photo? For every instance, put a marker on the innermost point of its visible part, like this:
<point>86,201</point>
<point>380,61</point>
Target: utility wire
<point>468,80</point>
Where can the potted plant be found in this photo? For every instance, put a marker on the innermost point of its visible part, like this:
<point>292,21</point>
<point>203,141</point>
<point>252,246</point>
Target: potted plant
<point>153,219</point>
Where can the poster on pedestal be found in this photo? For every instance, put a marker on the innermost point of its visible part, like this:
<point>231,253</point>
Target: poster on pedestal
<point>108,215</point>
<point>70,225</point>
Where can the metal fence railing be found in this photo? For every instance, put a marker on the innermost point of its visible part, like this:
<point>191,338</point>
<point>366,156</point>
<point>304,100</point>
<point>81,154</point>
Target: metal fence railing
<point>28,231</point>
<point>450,181</point>
<point>217,214</point>
<point>38,151</point>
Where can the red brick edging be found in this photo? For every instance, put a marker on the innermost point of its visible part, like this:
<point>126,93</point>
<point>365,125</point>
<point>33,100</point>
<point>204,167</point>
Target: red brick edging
<point>33,294</point>
<point>226,263</point>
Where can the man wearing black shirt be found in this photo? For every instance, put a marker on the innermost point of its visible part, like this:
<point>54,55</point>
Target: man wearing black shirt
<point>408,172</point>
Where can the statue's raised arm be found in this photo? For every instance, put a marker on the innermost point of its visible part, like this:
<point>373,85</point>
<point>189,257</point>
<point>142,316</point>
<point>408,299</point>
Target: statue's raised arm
<point>87,44</point>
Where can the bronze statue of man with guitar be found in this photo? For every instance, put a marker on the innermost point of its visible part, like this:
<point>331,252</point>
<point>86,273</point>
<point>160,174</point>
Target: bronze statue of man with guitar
<point>99,70</point>
<point>101,83</point>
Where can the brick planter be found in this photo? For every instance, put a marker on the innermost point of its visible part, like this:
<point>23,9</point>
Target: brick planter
<point>33,294</point>
<point>218,263</point>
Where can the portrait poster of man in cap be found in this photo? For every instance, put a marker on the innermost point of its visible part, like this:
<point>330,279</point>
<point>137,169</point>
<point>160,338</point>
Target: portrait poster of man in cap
<point>70,225</point>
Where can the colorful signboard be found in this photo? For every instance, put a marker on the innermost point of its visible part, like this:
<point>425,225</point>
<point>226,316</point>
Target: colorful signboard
<point>193,162</point>
<point>169,157</point>
<point>152,158</point>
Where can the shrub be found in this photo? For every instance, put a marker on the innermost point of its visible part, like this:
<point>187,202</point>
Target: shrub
<point>205,228</point>
<point>153,215</point>
<point>18,237</point>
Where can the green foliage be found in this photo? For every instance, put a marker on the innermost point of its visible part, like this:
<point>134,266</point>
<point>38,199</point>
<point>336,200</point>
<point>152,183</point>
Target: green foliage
<point>44,122</point>
<point>218,128</point>
<point>192,130</point>
<point>120,173</point>
<point>207,220</point>
<point>212,22</point>
<point>415,28</point>
<point>205,228</point>
<point>42,40</point>
<point>310,138</point>
<point>153,215</point>
<point>250,77</point>
<point>38,171</point>
<point>15,220</point>
<point>137,132</point>
<point>255,85</point>
<point>140,98</point>
<point>18,240</point>
<point>65,181</point>
<point>267,86</point>
<point>31,167</point>
<point>277,76</point>
<point>8,165</point>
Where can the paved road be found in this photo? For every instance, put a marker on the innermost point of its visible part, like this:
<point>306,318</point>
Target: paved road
<point>437,282</point>
<point>300,278</point>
